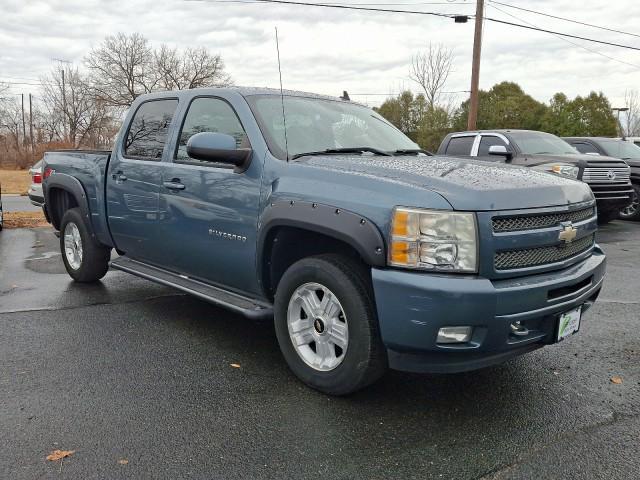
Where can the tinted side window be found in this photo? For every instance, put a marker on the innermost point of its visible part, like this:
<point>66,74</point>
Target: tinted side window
<point>585,147</point>
<point>460,145</point>
<point>488,141</point>
<point>149,129</point>
<point>209,115</point>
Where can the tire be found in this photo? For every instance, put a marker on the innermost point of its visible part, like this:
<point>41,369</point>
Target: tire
<point>632,212</point>
<point>85,260</point>
<point>607,216</point>
<point>351,309</point>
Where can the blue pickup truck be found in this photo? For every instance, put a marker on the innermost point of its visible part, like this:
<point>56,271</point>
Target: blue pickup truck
<point>315,211</point>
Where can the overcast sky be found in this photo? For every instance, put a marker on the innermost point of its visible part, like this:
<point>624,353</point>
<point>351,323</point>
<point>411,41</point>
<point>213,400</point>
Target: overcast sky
<point>330,50</point>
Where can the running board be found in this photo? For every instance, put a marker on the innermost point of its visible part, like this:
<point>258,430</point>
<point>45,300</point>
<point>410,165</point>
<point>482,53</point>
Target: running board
<point>248,307</point>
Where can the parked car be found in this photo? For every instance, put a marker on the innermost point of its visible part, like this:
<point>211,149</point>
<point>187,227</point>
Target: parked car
<point>613,147</point>
<point>368,253</point>
<point>609,178</point>
<point>35,190</point>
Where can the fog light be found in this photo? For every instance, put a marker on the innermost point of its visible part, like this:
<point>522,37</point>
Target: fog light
<point>454,334</point>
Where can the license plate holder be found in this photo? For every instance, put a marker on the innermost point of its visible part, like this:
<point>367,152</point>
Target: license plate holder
<point>568,323</point>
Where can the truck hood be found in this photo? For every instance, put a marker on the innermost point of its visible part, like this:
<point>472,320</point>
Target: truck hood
<point>466,184</point>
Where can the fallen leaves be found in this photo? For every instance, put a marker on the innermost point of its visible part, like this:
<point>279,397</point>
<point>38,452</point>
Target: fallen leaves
<point>123,461</point>
<point>24,220</point>
<point>617,379</point>
<point>59,455</point>
<point>235,365</point>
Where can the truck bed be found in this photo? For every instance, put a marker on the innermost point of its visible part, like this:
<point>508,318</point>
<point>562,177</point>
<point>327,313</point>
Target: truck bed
<point>89,168</point>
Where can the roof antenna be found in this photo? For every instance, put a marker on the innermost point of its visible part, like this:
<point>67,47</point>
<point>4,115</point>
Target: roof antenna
<point>284,117</point>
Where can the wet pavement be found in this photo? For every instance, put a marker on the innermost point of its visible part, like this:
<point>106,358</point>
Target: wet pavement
<point>18,203</point>
<point>127,369</point>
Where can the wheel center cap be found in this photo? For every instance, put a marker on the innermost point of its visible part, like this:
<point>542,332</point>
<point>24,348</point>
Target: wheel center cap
<point>318,325</point>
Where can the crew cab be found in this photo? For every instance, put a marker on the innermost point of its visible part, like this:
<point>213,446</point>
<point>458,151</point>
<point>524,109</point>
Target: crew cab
<point>617,148</point>
<point>609,178</point>
<point>315,211</point>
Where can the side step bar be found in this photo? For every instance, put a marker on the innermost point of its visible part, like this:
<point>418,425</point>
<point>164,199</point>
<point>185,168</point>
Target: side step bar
<point>249,307</point>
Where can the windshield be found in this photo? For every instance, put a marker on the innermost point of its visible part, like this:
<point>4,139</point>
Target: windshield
<point>315,124</point>
<point>532,143</point>
<point>620,149</point>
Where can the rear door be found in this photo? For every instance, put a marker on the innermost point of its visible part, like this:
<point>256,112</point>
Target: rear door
<point>461,145</point>
<point>133,179</point>
<point>208,212</point>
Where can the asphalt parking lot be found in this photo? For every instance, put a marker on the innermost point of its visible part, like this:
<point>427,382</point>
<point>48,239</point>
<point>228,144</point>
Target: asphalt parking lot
<point>137,380</point>
<point>18,203</point>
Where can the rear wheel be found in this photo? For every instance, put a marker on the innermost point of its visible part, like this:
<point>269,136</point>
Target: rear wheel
<point>84,258</point>
<point>326,324</point>
<point>632,211</point>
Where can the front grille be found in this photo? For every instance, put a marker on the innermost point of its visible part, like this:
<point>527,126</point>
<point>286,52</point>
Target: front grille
<point>531,222</point>
<point>606,175</point>
<point>532,257</point>
<point>611,191</point>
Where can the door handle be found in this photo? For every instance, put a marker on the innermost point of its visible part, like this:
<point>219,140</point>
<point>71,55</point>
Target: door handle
<point>119,176</point>
<point>174,185</point>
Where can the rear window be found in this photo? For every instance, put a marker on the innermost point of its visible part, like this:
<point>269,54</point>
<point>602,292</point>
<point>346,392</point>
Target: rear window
<point>585,147</point>
<point>460,145</point>
<point>149,128</point>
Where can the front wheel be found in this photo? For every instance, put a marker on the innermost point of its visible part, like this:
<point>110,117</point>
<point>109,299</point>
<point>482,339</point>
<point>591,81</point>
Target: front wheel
<point>326,324</point>
<point>84,258</point>
<point>607,216</point>
<point>632,211</point>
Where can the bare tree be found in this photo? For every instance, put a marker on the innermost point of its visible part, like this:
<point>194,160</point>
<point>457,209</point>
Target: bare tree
<point>631,126</point>
<point>122,69</point>
<point>73,112</point>
<point>430,69</point>
<point>193,68</point>
<point>126,66</point>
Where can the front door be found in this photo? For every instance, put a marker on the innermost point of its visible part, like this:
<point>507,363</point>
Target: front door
<point>208,213</point>
<point>133,180</point>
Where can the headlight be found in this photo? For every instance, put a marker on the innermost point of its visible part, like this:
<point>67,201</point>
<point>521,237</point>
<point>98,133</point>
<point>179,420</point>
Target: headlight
<point>433,240</point>
<point>562,169</point>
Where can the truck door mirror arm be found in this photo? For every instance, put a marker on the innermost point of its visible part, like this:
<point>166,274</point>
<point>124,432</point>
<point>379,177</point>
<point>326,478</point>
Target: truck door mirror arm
<point>501,150</point>
<point>218,147</point>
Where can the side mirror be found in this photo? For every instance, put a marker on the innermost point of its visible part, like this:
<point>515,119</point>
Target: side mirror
<point>218,147</point>
<point>500,150</point>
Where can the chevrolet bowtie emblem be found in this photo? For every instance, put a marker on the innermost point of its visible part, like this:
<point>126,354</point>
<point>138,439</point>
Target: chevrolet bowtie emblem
<point>568,233</point>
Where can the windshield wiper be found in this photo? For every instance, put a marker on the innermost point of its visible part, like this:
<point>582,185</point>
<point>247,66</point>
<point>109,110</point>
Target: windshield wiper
<point>412,151</point>
<point>344,150</point>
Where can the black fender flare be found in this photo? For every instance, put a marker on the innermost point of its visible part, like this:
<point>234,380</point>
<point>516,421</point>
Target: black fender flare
<point>71,185</point>
<point>356,230</point>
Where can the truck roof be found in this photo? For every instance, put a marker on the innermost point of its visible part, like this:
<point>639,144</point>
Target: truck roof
<point>496,130</point>
<point>244,91</point>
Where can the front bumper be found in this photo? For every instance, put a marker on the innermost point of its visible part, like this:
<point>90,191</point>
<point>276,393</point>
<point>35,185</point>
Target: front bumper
<point>413,306</point>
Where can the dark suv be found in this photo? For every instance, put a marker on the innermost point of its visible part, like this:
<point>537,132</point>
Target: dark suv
<point>614,147</point>
<point>608,177</point>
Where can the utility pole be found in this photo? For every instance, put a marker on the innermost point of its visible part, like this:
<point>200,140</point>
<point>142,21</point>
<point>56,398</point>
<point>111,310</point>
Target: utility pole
<point>621,109</point>
<point>24,129</point>
<point>64,108</point>
<point>31,125</point>
<point>475,68</point>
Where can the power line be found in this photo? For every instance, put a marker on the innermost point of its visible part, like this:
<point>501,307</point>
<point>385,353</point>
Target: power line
<point>578,37</point>
<point>447,15</point>
<point>568,41</point>
<point>566,19</point>
<point>354,7</point>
